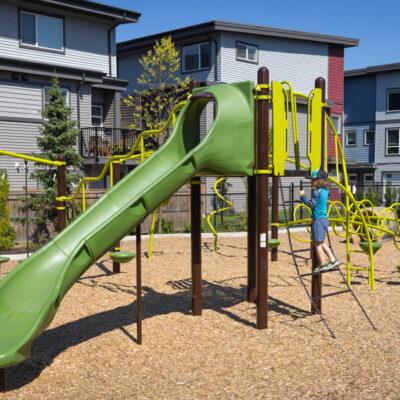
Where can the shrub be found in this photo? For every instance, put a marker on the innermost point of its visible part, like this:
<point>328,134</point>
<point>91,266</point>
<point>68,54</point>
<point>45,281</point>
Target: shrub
<point>391,194</point>
<point>167,226</point>
<point>373,196</point>
<point>7,233</point>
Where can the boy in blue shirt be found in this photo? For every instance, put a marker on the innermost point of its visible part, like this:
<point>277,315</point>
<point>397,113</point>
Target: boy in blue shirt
<point>319,204</point>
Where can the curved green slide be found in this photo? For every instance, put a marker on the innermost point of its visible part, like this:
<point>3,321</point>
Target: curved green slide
<point>31,294</point>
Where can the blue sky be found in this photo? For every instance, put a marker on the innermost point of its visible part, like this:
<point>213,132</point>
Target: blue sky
<point>375,23</point>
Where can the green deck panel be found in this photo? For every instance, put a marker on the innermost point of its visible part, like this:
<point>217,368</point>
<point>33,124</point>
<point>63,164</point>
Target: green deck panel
<point>375,246</point>
<point>273,243</point>
<point>122,256</point>
<point>31,294</point>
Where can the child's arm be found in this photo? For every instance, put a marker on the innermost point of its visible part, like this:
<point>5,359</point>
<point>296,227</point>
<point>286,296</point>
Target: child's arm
<point>309,202</point>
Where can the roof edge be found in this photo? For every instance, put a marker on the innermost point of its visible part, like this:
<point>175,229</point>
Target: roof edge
<point>224,26</point>
<point>92,8</point>
<point>373,69</point>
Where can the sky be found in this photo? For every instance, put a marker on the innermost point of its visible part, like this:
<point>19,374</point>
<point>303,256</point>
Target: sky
<point>375,23</point>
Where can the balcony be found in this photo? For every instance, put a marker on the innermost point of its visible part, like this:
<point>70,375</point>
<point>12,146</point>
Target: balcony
<point>100,142</point>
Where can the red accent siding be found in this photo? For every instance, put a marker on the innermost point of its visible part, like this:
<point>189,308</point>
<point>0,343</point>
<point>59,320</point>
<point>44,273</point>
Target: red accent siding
<point>335,89</point>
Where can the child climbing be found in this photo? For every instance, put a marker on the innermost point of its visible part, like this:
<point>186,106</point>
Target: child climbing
<point>319,204</point>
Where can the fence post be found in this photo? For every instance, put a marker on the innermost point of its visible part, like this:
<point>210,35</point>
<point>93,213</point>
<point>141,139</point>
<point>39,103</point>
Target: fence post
<point>262,201</point>
<point>61,192</point>
<point>96,142</point>
<point>291,201</point>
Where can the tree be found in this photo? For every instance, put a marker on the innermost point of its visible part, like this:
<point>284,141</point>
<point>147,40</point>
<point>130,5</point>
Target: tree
<point>57,139</point>
<point>7,233</point>
<point>161,87</point>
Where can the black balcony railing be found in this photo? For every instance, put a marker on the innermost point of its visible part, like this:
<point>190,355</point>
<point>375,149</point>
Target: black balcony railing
<point>96,142</point>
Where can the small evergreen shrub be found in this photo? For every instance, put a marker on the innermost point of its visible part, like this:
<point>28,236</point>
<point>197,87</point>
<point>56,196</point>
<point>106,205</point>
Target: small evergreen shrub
<point>7,233</point>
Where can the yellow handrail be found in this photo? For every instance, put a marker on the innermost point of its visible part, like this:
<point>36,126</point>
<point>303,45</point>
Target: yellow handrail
<point>218,211</point>
<point>32,158</point>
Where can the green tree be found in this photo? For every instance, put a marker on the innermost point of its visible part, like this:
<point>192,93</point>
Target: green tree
<point>7,233</point>
<point>161,86</point>
<point>57,139</point>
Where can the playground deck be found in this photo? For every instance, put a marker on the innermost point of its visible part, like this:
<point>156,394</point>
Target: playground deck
<point>89,350</point>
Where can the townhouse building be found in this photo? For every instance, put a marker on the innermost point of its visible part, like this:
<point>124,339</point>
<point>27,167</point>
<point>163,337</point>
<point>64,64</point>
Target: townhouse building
<point>74,40</point>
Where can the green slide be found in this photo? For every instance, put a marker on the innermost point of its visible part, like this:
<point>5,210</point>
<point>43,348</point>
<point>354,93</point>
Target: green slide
<point>31,294</point>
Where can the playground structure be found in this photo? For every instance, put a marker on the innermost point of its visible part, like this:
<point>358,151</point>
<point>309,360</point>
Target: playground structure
<point>241,122</point>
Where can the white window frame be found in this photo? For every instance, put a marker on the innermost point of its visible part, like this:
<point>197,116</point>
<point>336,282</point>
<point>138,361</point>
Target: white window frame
<point>350,175</point>
<point>387,142</point>
<point>247,59</point>
<point>365,137</point>
<point>201,68</point>
<point>63,90</point>
<point>347,138</point>
<point>339,127</point>
<point>387,99</point>
<point>36,45</point>
<point>101,107</point>
<point>369,174</point>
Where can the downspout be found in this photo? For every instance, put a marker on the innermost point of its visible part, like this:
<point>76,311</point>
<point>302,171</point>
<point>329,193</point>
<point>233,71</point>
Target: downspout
<point>109,43</point>
<point>78,112</point>
<point>215,53</point>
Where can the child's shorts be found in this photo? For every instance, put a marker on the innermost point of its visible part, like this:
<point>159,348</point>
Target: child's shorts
<point>319,229</point>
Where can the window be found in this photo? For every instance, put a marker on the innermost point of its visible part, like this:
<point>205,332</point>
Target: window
<point>393,100</point>
<point>351,139</point>
<point>196,56</point>
<point>392,142</point>
<point>369,137</point>
<point>46,96</point>
<point>368,177</point>
<point>97,115</point>
<point>352,177</point>
<point>41,31</point>
<point>337,123</point>
<point>246,52</point>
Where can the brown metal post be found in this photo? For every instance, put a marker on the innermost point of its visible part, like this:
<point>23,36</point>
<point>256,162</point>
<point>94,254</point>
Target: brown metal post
<point>251,239</point>
<point>2,380</point>
<point>195,193</point>
<point>116,178</point>
<point>61,192</point>
<point>316,280</point>
<point>275,215</point>
<point>262,201</point>
<point>139,302</point>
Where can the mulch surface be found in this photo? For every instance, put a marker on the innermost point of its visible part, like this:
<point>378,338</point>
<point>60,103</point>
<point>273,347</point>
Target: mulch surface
<point>90,349</point>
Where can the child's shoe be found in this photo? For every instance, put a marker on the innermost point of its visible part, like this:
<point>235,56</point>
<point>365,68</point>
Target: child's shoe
<point>330,266</point>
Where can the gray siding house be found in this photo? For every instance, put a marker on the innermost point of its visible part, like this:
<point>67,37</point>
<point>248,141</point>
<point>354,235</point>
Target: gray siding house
<point>372,124</point>
<point>74,40</point>
<point>218,51</point>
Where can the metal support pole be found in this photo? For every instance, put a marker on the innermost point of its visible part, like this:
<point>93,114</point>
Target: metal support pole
<point>61,192</point>
<point>3,380</point>
<point>301,208</point>
<point>316,279</point>
<point>251,239</point>
<point>292,201</point>
<point>275,215</point>
<point>116,178</point>
<point>139,302</point>
<point>262,201</point>
<point>195,193</point>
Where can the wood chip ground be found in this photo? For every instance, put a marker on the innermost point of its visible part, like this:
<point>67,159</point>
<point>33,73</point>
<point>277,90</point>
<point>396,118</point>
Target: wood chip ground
<point>89,351</point>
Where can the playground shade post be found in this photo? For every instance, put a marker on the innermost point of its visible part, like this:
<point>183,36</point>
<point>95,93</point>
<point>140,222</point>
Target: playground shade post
<point>274,215</point>
<point>195,198</point>
<point>262,166</point>
<point>139,303</point>
<point>116,176</point>
<point>251,239</point>
<point>316,279</point>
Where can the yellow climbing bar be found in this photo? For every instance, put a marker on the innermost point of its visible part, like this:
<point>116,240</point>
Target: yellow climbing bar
<point>31,158</point>
<point>280,126</point>
<point>314,128</point>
